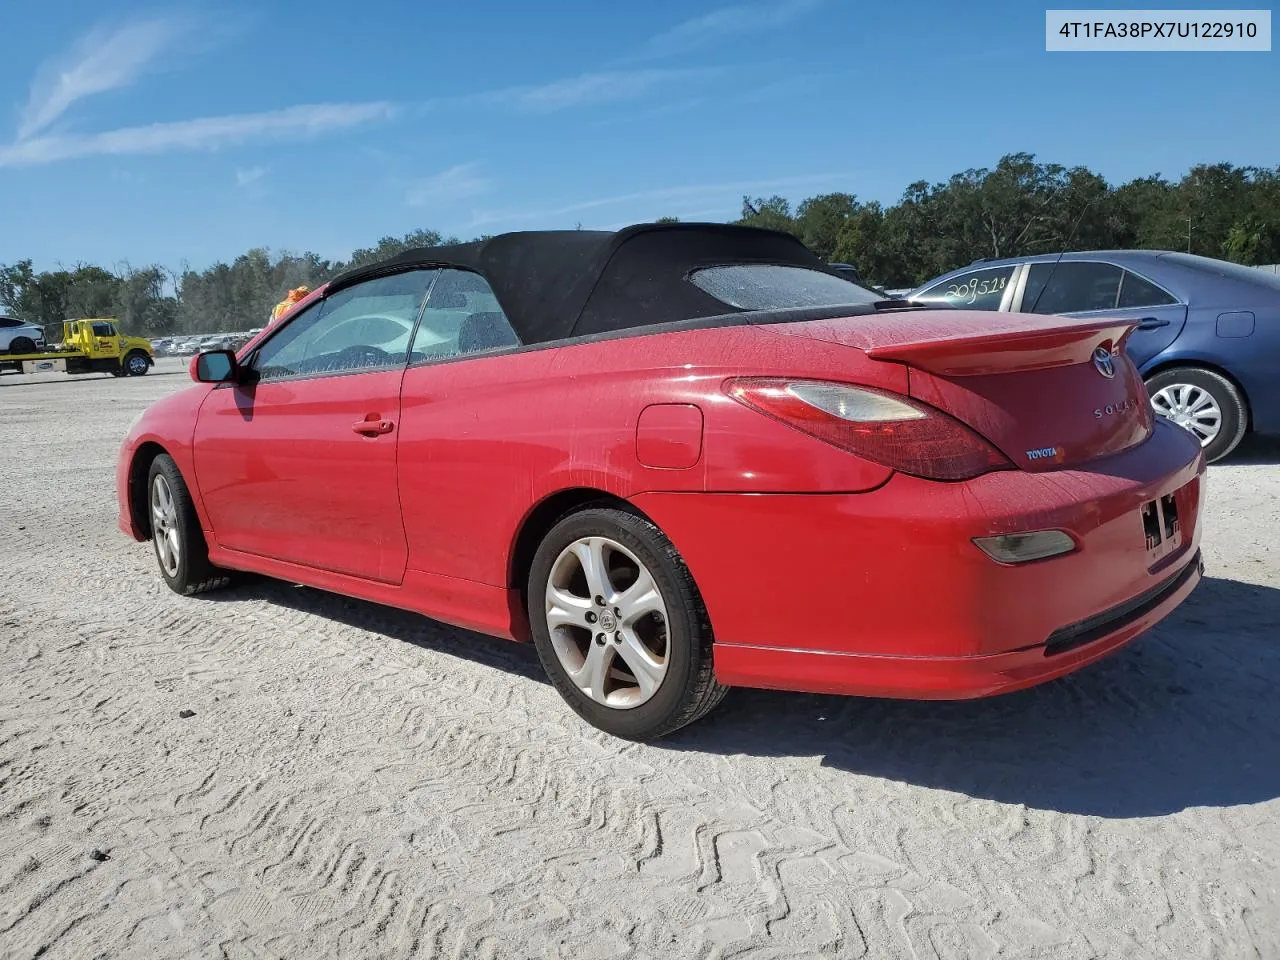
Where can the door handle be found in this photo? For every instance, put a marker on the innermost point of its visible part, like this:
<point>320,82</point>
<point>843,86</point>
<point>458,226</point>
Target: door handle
<point>372,428</point>
<point>1151,323</point>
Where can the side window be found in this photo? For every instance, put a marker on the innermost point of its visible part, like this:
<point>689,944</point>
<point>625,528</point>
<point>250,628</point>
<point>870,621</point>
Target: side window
<point>462,316</point>
<point>9,322</point>
<point>1075,286</point>
<point>976,290</point>
<point>364,327</point>
<point>104,330</point>
<point>1138,292</point>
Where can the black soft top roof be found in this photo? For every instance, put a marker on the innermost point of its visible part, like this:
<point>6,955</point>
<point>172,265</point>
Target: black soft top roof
<point>556,284</point>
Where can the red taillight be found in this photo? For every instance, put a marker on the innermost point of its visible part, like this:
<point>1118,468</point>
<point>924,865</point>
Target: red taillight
<point>881,426</point>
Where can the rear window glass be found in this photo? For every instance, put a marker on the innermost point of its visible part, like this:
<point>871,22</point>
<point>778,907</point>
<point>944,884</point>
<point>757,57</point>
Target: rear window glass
<point>1225,268</point>
<point>768,286</point>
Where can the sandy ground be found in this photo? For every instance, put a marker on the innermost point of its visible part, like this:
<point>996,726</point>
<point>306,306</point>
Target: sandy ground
<point>357,782</point>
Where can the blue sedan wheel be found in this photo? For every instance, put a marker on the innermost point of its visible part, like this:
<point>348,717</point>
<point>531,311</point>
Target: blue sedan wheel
<point>1203,402</point>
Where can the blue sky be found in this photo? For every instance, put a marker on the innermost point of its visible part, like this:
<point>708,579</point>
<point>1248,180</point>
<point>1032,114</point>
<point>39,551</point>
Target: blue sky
<point>188,133</point>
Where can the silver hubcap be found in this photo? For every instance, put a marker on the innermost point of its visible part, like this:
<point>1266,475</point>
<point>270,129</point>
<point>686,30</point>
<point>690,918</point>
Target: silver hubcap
<point>137,365</point>
<point>164,525</point>
<point>1191,408</point>
<point>608,622</point>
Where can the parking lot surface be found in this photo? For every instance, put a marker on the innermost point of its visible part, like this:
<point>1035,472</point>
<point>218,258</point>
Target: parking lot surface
<point>357,782</point>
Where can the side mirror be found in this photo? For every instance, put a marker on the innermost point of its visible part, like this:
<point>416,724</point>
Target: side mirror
<point>215,366</point>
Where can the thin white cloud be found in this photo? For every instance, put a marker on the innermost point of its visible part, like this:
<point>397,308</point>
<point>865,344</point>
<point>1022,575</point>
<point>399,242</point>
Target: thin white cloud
<point>207,133</point>
<point>698,193</point>
<point>587,89</point>
<point>211,132</point>
<point>250,176</point>
<point>726,22</point>
<point>100,61</point>
<point>453,184</point>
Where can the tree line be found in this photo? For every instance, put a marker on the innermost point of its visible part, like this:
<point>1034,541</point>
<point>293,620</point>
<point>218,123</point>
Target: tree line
<point>1019,207</point>
<point>156,301</point>
<point>1022,207</point>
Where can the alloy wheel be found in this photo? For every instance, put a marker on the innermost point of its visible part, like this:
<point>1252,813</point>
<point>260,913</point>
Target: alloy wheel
<point>608,622</point>
<point>164,526</point>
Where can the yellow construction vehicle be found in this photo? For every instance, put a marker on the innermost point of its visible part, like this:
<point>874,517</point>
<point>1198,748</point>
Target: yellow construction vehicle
<point>88,346</point>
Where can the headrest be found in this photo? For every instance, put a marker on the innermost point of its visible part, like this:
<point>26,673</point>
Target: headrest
<point>485,331</point>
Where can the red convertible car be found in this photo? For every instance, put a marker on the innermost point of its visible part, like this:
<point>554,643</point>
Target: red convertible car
<point>681,458</point>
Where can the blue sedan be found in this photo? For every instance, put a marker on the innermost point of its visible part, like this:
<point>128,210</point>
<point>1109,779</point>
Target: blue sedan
<point>1208,337</point>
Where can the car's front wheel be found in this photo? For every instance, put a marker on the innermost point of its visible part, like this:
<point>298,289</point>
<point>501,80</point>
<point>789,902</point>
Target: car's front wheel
<point>619,625</point>
<point>1203,402</point>
<point>181,550</point>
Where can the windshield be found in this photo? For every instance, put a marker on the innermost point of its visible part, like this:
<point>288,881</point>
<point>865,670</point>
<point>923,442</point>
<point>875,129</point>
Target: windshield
<point>768,286</point>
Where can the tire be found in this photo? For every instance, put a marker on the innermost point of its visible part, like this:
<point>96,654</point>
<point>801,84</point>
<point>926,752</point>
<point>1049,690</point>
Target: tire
<point>1190,396</point>
<point>181,550</point>
<point>20,345</point>
<point>135,363</point>
<point>675,633</point>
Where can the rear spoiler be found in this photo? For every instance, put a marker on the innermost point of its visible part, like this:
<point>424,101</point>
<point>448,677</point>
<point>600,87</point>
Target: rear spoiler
<point>962,354</point>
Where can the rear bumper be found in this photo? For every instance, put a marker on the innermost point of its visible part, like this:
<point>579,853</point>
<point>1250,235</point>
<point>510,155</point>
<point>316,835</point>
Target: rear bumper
<point>953,678</point>
<point>885,594</point>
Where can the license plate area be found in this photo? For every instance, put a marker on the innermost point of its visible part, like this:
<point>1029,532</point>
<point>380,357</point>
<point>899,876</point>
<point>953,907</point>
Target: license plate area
<point>1162,526</point>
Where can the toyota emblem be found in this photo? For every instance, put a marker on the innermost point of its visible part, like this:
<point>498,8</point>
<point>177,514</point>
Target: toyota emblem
<point>1102,360</point>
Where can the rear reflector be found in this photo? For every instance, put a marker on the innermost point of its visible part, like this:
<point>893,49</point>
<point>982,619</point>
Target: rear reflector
<point>1024,547</point>
<point>884,427</point>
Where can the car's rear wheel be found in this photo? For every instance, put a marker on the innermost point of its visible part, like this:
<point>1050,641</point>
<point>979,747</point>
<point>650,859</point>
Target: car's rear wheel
<point>136,364</point>
<point>1203,402</point>
<point>22,345</point>
<point>619,625</point>
<point>181,550</point>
